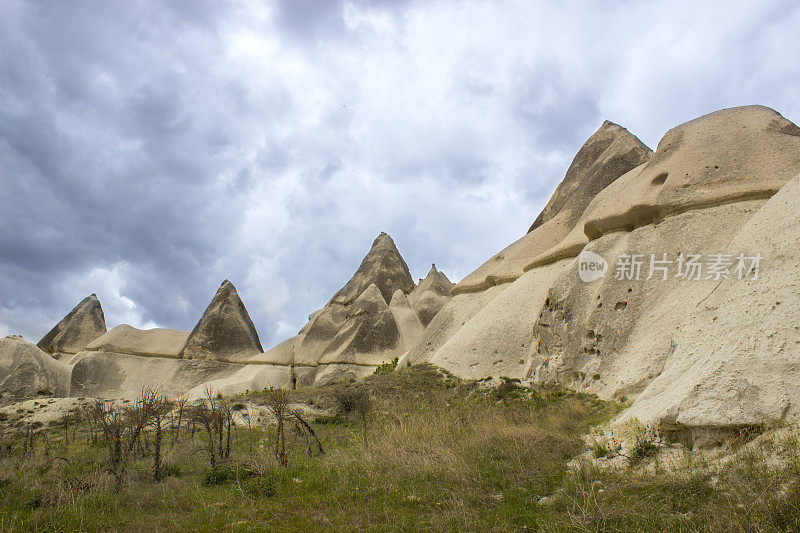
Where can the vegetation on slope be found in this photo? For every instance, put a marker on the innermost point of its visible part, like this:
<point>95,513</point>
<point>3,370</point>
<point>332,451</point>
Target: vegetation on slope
<point>411,450</point>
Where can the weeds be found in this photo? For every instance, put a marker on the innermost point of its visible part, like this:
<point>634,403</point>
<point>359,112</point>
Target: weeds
<point>442,454</point>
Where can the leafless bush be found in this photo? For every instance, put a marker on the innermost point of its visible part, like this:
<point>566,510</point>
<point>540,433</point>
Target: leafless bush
<point>214,415</point>
<point>278,405</point>
<point>122,427</point>
<point>305,429</point>
<point>359,401</point>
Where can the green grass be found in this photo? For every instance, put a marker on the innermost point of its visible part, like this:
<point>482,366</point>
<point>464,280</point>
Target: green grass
<point>440,455</point>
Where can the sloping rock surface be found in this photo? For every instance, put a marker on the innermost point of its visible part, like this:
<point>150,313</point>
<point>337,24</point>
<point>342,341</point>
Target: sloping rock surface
<point>430,295</point>
<point>81,326</point>
<point>225,332</point>
<point>26,371</point>
<point>156,342</point>
<point>608,154</point>
<point>383,266</point>
<point>736,357</point>
<point>694,352</point>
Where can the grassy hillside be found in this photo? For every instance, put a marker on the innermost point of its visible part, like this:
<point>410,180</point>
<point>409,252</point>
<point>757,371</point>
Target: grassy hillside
<point>435,454</point>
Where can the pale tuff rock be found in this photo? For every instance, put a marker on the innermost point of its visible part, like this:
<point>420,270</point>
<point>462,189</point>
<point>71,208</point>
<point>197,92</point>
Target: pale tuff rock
<point>407,321</point>
<point>116,375</point>
<point>363,334</point>
<point>448,321</point>
<point>26,371</point>
<point>732,362</point>
<point>351,335</point>
<point>605,156</point>
<point>81,326</point>
<point>156,342</point>
<point>225,332</point>
<point>430,295</point>
<point>383,266</point>
<point>370,335</point>
<point>736,357</point>
<point>608,154</point>
<point>732,155</point>
<point>495,340</point>
<point>611,336</point>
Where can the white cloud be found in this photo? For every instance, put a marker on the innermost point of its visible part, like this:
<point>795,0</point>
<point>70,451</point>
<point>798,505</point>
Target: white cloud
<point>270,144</point>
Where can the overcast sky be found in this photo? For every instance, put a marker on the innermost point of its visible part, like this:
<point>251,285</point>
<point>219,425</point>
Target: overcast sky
<point>149,150</point>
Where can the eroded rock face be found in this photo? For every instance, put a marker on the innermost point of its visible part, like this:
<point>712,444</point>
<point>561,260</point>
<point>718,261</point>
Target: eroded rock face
<point>156,342</point>
<point>430,295</point>
<point>611,336</point>
<point>362,333</point>
<point>733,155</point>
<point>383,266</point>
<point>26,371</point>
<point>118,375</point>
<point>370,321</point>
<point>356,327</point>
<point>81,326</point>
<point>225,332</point>
<point>736,356</point>
<point>694,353</point>
<point>408,323</point>
<point>608,154</point>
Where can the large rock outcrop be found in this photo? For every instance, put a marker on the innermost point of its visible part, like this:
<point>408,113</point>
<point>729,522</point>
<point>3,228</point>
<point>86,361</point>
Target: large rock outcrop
<point>430,295</point>
<point>736,358</point>
<point>370,321</point>
<point>26,371</point>
<point>119,375</point>
<point>156,342</point>
<point>706,190</point>
<point>225,332</point>
<point>356,327</point>
<point>608,154</point>
<point>383,266</point>
<point>81,326</point>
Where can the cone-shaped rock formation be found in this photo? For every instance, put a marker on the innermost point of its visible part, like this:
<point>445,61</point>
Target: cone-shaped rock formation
<point>430,295</point>
<point>81,326</point>
<point>225,331</point>
<point>383,266</point>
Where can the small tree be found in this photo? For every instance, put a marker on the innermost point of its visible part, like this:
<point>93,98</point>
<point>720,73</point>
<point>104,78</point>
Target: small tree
<point>308,431</point>
<point>159,407</point>
<point>123,427</point>
<point>359,401</point>
<point>278,405</point>
<point>181,405</point>
<point>205,412</point>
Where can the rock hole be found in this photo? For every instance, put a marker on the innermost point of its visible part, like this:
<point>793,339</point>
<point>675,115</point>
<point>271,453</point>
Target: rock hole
<point>600,305</point>
<point>629,289</point>
<point>660,179</point>
<point>620,306</point>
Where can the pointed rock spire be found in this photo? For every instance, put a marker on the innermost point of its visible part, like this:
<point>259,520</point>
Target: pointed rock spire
<point>81,326</point>
<point>383,266</point>
<point>225,331</point>
<point>609,153</point>
<point>430,295</point>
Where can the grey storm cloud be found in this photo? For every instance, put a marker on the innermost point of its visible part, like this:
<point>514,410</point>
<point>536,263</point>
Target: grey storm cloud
<point>149,150</point>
